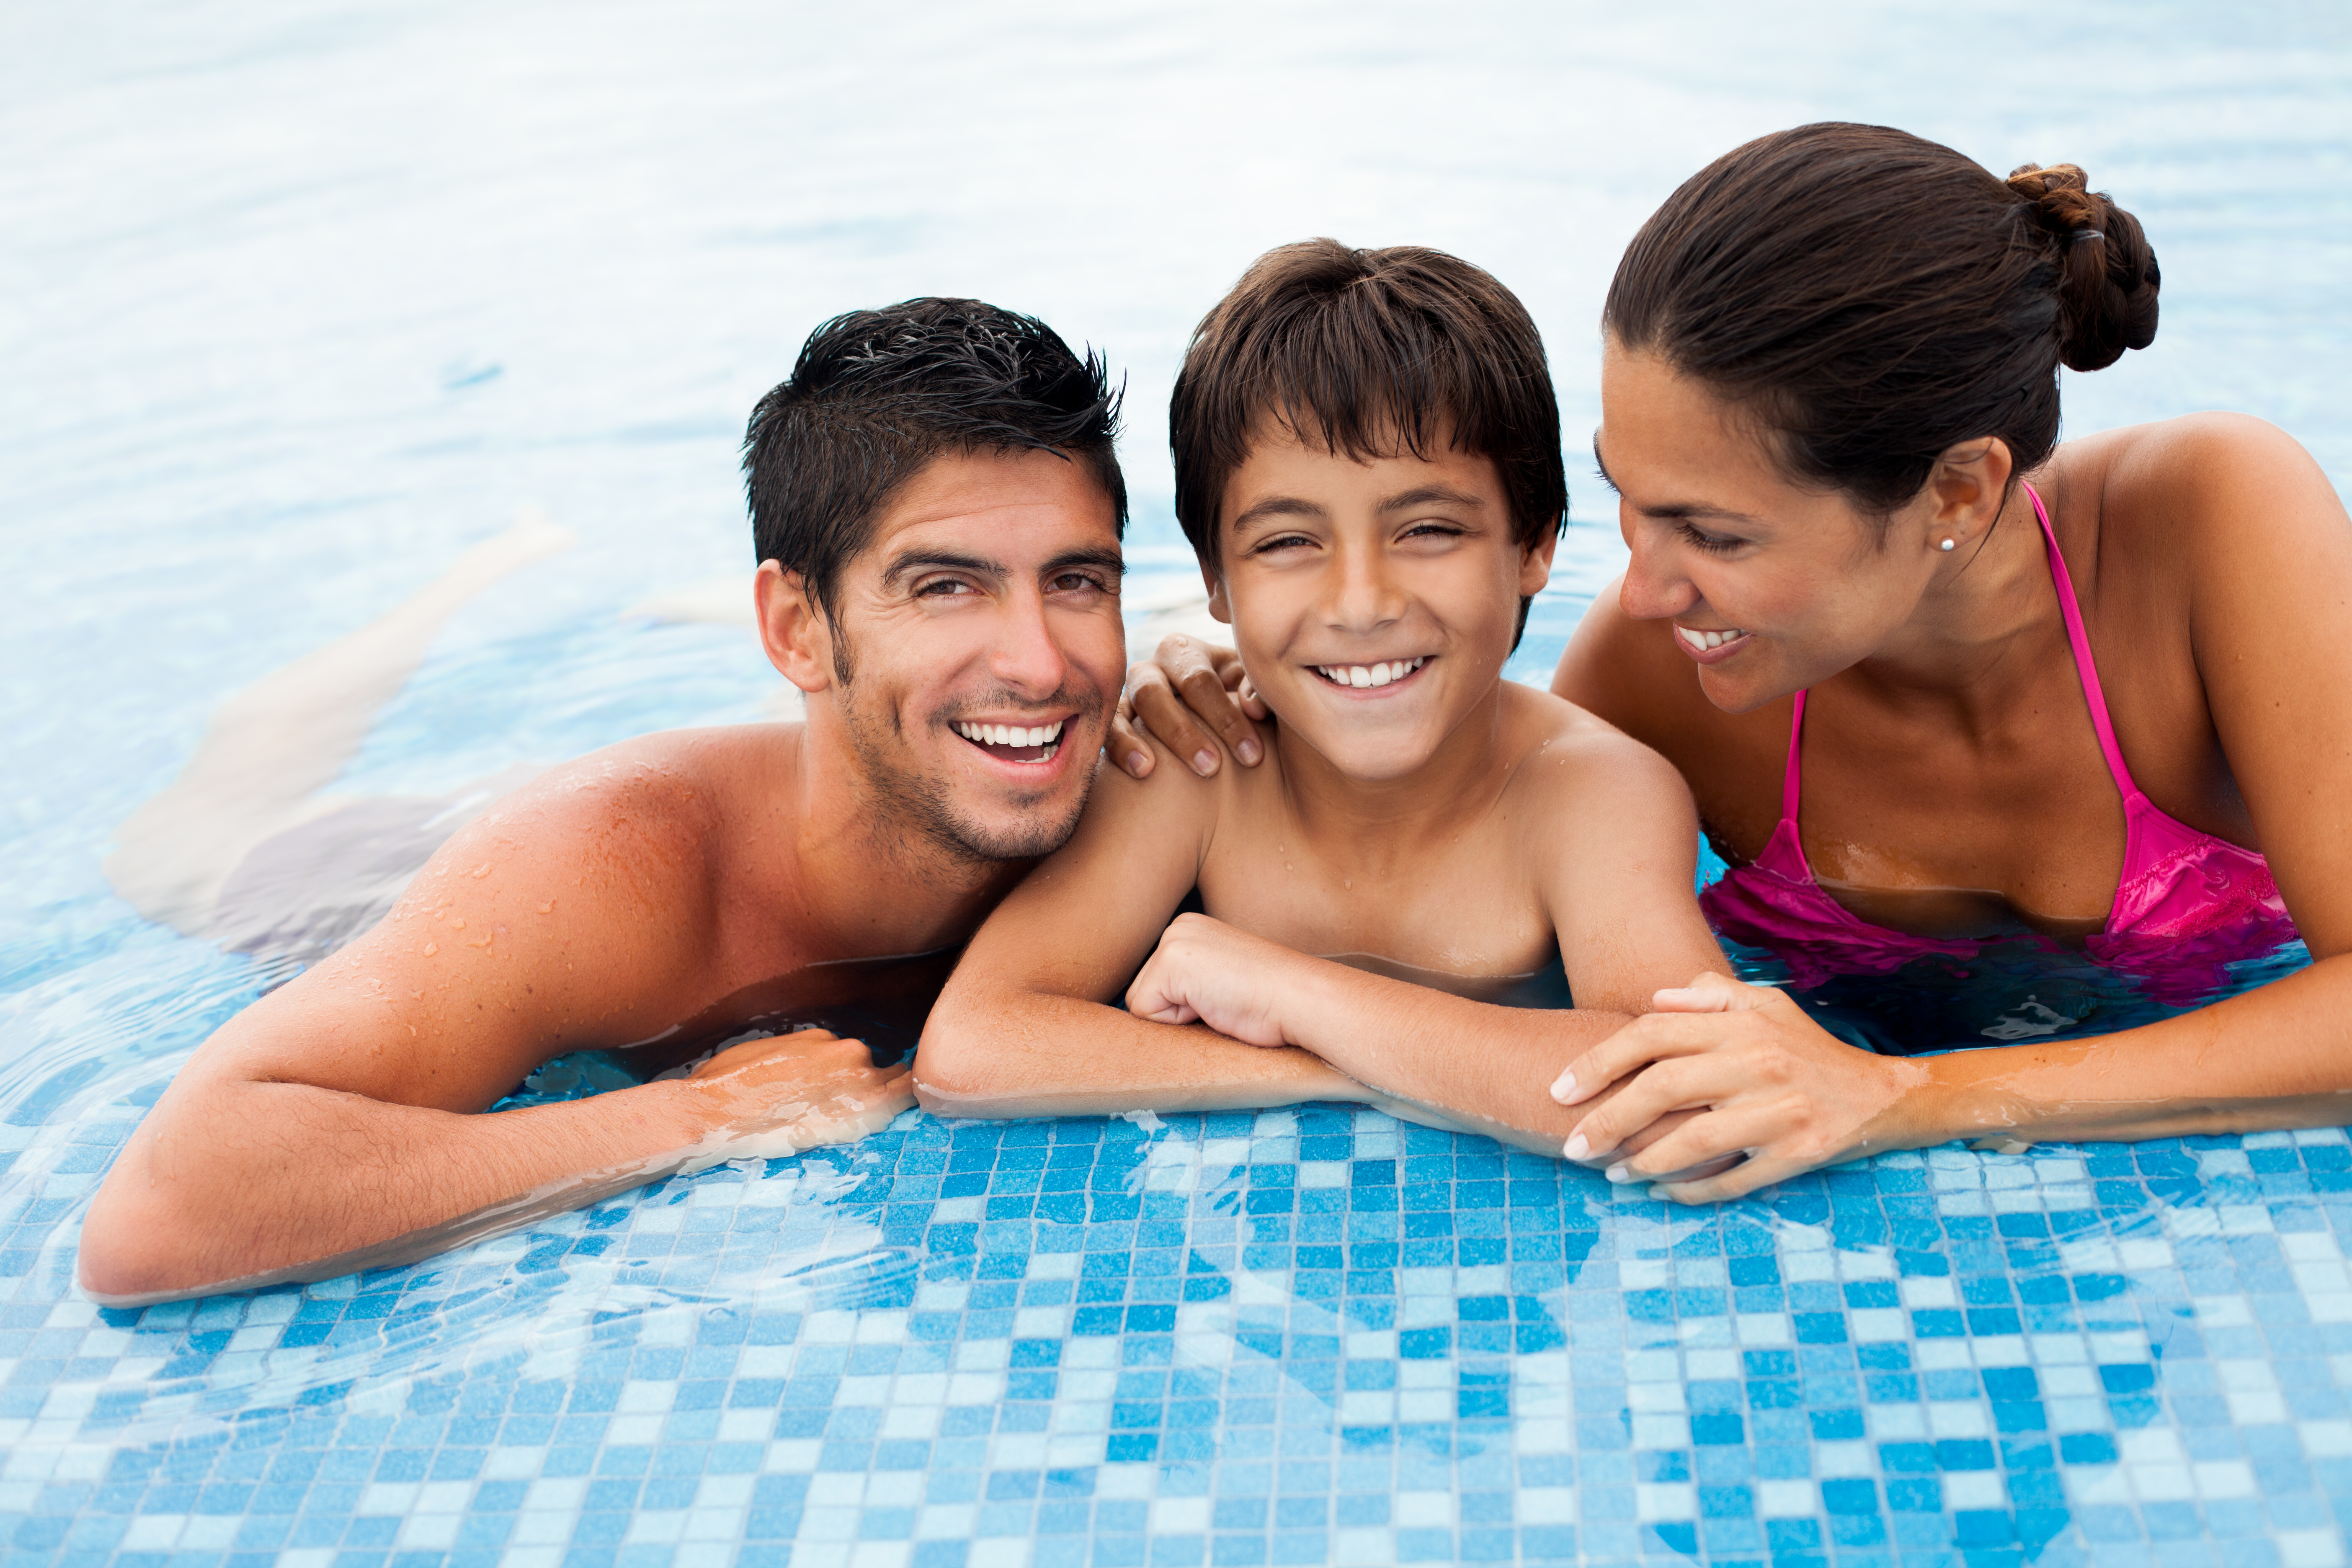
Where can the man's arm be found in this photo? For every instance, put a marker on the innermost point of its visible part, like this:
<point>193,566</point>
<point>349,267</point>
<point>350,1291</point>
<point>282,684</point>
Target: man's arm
<point>1612,829</point>
<point>332,1125</point>
<point>1023,1029</point>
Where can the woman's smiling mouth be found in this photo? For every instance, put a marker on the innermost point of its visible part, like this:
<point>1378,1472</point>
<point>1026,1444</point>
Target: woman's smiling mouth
<point>1361,676</point>
<point>1709,645</point>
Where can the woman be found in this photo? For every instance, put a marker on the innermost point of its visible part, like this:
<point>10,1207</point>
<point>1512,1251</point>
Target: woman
<point>1934,680</point>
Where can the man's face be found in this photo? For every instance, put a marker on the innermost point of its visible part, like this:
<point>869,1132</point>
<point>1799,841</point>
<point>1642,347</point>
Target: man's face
<point>985,651</point>
<point>1373,603</point>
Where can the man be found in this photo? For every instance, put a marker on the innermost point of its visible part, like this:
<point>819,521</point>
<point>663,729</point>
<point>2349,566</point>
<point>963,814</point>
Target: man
<point>937,513</point>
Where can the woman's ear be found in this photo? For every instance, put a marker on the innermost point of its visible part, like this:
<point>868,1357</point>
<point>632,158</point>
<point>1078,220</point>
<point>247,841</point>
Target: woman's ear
<point>793,630</point>
<point>1968,487</point>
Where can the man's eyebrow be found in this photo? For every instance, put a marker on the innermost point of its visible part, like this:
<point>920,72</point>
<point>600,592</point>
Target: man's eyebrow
<point>1109,561</point>
<point>1426,495</point>
<point>1679,509</point>
<point>929,560</point>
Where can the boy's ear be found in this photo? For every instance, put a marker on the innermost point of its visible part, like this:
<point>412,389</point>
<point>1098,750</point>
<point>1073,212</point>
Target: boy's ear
<point>1535,565</point>
<point>792,629</point>
<point>1218,607</point>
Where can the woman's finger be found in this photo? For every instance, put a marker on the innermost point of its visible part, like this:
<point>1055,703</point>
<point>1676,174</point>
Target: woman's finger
<point>1653,1037</point>
<point>1125,745</point>
<point>1702,1141</point>
<point>1680,1083</point>
<point>1735,1183</point>
<point>1171,719</point>
<point>1204,676</point>
<point>1711,993</point>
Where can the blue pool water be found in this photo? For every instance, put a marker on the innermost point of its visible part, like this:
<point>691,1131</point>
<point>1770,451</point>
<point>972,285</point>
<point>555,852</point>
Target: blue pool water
<point>299,301</point>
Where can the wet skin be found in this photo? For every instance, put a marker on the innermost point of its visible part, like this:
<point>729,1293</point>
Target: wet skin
<point>1952,781</point>
<point>1425,810</point>
<point>329,1126</point>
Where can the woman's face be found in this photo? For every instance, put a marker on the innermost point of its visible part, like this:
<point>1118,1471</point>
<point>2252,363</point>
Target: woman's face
<point>1772,585</point>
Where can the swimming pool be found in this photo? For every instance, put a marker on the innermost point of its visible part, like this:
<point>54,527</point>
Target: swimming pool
<point>298,302</point>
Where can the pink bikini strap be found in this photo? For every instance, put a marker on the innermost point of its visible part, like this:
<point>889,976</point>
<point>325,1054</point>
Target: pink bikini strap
<point>2080,641</point>
<point>2085,670</point>
<point>1789,780</point>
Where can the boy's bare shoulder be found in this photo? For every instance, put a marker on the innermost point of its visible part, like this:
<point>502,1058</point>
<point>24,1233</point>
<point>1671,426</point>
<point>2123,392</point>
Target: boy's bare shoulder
<point>1569,756</point>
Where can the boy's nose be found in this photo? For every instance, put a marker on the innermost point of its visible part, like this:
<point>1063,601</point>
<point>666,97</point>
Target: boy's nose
<point>1360,595</point>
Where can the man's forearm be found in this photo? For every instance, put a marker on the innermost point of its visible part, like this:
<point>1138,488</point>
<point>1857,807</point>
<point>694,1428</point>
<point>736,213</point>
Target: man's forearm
<point>247,1183</point>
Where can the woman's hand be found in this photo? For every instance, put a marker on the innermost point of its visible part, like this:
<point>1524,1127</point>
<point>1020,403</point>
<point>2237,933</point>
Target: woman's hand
<point>1203,970</point>
<point>1758,1078</point>
<point>1192,696</point>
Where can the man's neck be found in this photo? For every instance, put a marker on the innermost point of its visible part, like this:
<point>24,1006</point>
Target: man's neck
<point>873,883</point>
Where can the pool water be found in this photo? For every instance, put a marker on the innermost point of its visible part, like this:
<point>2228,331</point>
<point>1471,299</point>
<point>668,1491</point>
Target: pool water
<point>298,302</point>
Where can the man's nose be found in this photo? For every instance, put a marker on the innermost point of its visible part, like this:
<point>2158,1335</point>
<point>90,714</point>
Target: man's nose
<point>1024,655</point>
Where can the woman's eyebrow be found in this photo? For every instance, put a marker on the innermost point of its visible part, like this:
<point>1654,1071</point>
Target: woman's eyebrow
<point>1680,509</point>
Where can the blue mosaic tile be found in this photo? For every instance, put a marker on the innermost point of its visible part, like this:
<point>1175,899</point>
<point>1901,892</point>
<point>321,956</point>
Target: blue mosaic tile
<point>1302,1336</point>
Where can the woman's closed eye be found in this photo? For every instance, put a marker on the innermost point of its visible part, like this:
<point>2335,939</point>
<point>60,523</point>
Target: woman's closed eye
<point>1713,544</point>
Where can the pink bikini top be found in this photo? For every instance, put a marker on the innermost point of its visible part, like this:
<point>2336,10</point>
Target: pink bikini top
<point>2187,905</point>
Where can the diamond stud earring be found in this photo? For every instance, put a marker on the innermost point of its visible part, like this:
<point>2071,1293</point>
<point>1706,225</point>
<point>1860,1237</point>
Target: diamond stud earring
<point>1947,545</point>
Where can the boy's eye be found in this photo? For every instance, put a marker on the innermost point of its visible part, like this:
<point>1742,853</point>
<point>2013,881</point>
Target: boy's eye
<point>1281,542</point>
<point>1434,528</point>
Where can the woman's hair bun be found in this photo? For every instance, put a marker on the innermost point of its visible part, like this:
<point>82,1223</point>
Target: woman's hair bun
<point>2108,276</point>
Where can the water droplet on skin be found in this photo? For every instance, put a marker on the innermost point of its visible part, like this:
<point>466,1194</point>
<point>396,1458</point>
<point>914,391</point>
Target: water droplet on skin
<point>431,948</point>
<point>483,870</point>
<point>458,925</point>
<point>547,907</point>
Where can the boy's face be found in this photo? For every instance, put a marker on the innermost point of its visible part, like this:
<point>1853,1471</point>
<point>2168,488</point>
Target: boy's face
<point>1373,603</point>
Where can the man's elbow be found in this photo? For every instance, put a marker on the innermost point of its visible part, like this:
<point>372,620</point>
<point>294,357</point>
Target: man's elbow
<point>952,1068</point>
<point>134,1251</point>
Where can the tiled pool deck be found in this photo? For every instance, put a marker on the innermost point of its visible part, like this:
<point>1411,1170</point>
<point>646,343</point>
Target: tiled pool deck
<point>1282,1338</point>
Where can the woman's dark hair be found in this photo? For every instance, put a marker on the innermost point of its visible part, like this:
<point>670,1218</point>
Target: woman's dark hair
<point>1363,352</point>
<point>877,395</point>
<point>1873,298</point>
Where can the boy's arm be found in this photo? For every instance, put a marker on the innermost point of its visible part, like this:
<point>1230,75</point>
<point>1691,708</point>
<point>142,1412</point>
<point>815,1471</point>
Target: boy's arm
<point>1612,832</point>
<point>1024,1028</point>
<point>329,1125</point>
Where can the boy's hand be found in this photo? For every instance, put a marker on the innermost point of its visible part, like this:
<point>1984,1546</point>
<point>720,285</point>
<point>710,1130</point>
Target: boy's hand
<point>1192,696</point>
<point>1757,1076</point>
<point>1203,970</point>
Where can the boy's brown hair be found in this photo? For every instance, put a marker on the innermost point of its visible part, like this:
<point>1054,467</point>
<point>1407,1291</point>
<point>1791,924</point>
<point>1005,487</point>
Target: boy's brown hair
<point>1364,353</point>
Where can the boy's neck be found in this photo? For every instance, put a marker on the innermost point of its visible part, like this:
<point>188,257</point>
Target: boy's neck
<point>1347,818</point>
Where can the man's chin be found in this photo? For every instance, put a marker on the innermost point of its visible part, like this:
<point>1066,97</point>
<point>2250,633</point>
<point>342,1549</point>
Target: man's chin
<point>1011,832</point>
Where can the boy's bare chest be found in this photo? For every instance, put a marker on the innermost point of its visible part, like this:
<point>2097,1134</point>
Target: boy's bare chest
<point>1463,903</point>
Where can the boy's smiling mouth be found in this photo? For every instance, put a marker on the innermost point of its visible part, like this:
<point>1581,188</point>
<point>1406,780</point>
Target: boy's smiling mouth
<point>1359,677</point>
<point>1014,743</point>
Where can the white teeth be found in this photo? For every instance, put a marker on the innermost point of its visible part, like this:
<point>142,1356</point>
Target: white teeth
<point>1703,640</point>
<point>1361,675</point>
<point>1011,734</point>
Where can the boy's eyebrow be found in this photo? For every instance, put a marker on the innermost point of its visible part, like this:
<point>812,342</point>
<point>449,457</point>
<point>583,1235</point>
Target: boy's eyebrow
<point>1426,494</point>
<point>1276,506</point>
<point>1686,509</point>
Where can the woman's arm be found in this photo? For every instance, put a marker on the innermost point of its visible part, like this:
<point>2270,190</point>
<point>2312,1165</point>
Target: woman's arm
<point>2264,552</point>
<point>1024,1028</point>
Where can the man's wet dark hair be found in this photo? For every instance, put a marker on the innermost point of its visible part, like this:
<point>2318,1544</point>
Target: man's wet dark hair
<point>877,395</point>
<point>1873,299</point>
<point>1368,353</point>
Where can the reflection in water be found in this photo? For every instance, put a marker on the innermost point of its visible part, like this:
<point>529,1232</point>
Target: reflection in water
<point>881,1000</point>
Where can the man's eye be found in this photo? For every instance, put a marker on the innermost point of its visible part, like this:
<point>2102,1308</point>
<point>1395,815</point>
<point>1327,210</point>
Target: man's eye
<point>1075,582</point>
<point>943,588</point>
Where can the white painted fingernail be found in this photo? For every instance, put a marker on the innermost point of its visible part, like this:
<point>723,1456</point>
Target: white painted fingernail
<point>1619,1175</point>
<point>1204,762</point>
<point>1564,1086</point>
<point>1577,1149</point>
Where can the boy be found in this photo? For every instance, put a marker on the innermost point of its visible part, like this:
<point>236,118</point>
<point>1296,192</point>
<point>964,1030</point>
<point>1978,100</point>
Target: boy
<point>1368,464</point>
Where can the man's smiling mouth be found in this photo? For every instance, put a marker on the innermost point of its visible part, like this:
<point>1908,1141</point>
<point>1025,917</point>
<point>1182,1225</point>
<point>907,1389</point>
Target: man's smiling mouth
<point>1015,742</point>
<point>1360,676</point>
